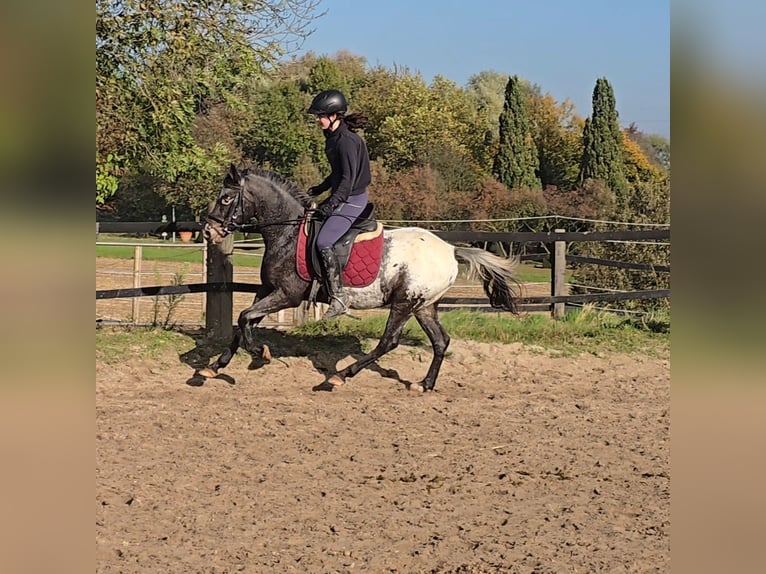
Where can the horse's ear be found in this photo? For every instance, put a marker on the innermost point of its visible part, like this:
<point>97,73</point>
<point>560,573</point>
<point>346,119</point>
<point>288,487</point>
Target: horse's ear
<point>232,178</point>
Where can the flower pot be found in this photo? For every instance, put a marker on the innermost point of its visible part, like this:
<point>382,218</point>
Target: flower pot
<point>185,235</point>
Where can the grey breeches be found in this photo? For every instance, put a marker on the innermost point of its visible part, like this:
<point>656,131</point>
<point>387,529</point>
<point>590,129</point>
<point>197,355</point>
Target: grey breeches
<point>339,222</point>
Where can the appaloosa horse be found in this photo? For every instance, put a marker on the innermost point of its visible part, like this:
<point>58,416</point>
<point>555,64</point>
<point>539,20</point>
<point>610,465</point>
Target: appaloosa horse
<point>416,269</point>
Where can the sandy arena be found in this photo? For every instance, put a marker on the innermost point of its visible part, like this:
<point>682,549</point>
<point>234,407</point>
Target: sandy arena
<point>521,461</point>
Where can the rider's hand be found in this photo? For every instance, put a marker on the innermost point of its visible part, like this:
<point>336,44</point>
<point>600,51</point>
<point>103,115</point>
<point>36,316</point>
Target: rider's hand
<point>314,191</point>
<point>326,208</point>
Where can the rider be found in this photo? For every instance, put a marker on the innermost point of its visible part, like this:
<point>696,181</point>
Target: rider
<point>350,162</point>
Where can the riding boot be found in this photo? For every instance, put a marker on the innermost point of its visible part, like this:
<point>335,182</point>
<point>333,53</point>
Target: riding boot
<point>333,284</point>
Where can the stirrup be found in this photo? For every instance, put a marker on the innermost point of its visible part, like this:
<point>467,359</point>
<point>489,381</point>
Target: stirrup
<point>334,310</point>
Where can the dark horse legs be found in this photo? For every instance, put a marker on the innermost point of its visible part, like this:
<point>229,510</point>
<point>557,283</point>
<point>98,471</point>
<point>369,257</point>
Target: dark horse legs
<point>397,319</point>
<point>274,301</point>
<point>270,303</point>
<point>429,321</point>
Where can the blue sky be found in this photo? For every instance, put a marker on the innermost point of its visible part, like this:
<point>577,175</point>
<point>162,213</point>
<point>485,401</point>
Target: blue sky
<point>564,46</point>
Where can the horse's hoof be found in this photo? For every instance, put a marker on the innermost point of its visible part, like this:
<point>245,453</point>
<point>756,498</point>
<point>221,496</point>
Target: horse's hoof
<point>323,386</point>
<point>207,372</point>
<point>416,388</point>
<point>266,353</point>
<point>336,381</point>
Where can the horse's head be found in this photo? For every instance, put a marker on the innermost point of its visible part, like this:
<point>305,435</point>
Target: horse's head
<point>226,213</point>
<point>251,193</point>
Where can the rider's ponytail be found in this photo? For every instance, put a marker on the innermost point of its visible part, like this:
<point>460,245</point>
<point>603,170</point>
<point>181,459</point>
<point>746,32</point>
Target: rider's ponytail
<point>355,121</point>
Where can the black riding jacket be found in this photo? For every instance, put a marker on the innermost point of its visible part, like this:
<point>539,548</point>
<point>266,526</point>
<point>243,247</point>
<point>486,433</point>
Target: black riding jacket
<point>350,163</point>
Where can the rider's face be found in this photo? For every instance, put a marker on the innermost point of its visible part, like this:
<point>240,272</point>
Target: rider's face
<point>325,121</point>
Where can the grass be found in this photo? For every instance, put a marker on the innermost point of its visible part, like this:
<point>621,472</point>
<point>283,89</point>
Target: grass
<point>114,345</point>
<point>180,255</point>
<point>527,272</point>
<point>581,331</point>
<point>584,331</point>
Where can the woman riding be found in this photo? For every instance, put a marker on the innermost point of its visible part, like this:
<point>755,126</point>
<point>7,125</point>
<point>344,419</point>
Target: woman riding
<point>347,154</point>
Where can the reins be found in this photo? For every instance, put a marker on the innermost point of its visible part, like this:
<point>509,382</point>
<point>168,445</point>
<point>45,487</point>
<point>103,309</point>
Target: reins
<point>229,224</point>
<point>245,227</point>
<point>253,227</point>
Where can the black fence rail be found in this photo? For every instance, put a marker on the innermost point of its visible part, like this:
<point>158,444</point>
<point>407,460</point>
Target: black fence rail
<point>239,287</point>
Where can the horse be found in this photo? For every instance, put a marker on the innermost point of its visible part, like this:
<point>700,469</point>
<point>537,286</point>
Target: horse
<point>416,270</point>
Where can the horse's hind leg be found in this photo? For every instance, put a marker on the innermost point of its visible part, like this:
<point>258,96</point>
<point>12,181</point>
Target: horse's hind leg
<point>429,320</point>
<point>397,319</point>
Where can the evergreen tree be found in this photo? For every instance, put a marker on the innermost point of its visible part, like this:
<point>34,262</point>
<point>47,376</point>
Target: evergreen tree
<point>642,195</point>
<point>602,144</point>
<point>516,161</point>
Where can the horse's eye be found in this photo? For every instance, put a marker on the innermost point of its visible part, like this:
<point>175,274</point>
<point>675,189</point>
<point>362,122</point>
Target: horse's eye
<point>226,200</point>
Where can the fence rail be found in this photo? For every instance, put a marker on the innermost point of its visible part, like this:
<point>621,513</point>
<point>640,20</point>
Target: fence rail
<point>451,236</point>
<point>219,285</point>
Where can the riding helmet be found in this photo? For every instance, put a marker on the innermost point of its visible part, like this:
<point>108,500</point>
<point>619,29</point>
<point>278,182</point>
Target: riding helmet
<point>329,102</point>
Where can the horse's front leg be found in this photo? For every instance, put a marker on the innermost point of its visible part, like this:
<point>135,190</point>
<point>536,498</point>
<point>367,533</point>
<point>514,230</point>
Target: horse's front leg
<point>250,317</point>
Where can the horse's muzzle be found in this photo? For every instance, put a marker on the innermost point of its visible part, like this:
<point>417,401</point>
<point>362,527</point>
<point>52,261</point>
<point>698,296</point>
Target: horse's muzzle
<point>213,232</point>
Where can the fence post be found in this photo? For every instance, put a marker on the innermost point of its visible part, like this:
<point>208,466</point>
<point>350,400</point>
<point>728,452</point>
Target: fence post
<point>219,305</point>
<point>558,267</point>
<point>300,313</point>
<point>137,257</point>
<point>203,299</point>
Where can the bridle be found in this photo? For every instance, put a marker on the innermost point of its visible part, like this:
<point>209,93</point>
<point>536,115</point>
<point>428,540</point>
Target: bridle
<point>234,211</point>
<point>232,217</point>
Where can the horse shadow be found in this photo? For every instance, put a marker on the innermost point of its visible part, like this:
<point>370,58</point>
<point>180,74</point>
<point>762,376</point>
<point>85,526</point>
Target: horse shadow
<point>324,351</point>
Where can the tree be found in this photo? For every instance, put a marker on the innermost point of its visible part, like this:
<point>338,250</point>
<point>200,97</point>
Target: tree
<point>642,195</point>
<point>326,74</point>
<point>410,194</point>
<point>637,166</point>
<point>591,200</point>
<point>277,133</point>
<point>161,63</point>
<point>649,203</point>
<point>516,161</point>
<point>661,148</point>
<point>414,124</point>
<point>557,133</point>
<point>602,143</point>
<point>655,147</point>
<point>374,98</point>
<point>487,89</point>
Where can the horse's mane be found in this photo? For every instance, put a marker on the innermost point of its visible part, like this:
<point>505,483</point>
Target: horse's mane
<point>301,196</point>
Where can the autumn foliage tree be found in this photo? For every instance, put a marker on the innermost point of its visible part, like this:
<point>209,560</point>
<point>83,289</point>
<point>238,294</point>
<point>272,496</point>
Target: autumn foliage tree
<point>557,133</point>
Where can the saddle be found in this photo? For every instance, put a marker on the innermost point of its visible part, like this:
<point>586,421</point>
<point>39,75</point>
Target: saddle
<point>359,250</point>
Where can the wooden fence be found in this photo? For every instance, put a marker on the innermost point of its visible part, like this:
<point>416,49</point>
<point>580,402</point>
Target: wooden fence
<point>219,285</point>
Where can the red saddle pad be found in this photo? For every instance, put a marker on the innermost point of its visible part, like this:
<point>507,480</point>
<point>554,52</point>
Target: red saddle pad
<point>363,263</point>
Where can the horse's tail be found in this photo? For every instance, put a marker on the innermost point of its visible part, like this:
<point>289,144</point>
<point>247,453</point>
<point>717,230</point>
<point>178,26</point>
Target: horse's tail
<point>497,275</point>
